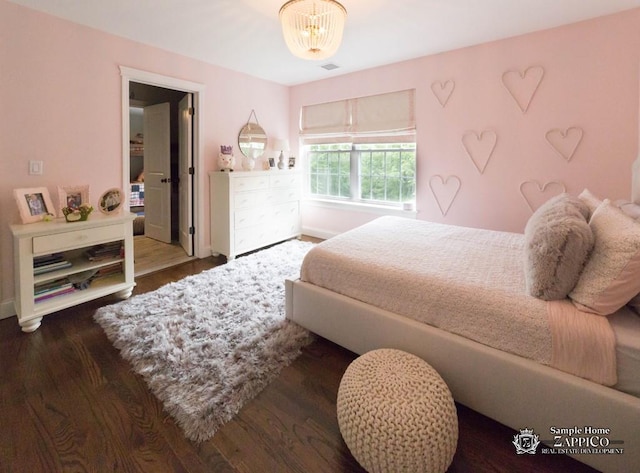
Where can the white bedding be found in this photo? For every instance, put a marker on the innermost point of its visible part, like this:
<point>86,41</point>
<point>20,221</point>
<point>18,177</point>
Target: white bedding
<point>467,281</point>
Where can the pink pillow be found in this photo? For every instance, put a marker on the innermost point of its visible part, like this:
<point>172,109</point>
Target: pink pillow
<point>611,276</point>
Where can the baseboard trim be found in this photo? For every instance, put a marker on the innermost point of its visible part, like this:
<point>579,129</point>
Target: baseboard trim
<point>318,233</point>
<point>7,310</point>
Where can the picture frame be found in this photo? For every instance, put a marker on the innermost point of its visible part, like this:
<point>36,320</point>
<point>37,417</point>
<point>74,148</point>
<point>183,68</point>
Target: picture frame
<point>34,204</point>
<point>72,197</point>
<point>292,162</point>
<point>272,163</point>
<point>111,201</point>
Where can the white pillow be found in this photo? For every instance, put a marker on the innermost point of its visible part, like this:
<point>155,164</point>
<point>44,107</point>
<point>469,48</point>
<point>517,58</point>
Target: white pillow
<point>611,276</point>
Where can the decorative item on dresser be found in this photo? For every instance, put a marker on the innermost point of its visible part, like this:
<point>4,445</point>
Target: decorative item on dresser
<point>110,201</point>
<point>250,210</point>
<point>226,160</point>
<point>34,204</point>
<point>72,198</point>
<point>282,146</point>
<point>57,265</point>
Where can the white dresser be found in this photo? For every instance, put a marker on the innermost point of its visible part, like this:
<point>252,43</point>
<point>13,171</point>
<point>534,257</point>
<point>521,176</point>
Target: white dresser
<point>59,264</point>
<point>250,210</point>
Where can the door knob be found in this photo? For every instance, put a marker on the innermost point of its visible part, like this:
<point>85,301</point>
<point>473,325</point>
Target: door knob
<point>165,179</point>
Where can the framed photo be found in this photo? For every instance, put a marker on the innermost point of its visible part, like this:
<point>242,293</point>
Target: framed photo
<point>272,162</point>
<point>34,204</point>
<point>72,197</point>
<point>111,201</point>
<point>292,162</point>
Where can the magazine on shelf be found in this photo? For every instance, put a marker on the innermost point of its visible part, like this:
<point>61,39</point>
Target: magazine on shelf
<point>105,251</point>
<point>47,263</point>
<point>51,267</point>
<point>51,289</point>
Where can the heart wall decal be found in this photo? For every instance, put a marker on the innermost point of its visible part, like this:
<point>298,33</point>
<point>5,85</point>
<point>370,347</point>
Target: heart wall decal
<point>522,86</point>
<point>535,194</point>
<point>565,142</point>
<point>443,91</point>
<point>480,147</point>
<point>444,190</point>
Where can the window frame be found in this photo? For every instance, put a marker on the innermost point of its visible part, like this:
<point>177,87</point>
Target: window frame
<point>355,175</point>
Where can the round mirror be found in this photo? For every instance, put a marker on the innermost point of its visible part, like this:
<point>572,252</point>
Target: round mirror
<point>252,140</point>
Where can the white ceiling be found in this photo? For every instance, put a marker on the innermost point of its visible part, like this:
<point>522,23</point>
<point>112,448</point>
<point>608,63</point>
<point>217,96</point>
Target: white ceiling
<point>245,35</point>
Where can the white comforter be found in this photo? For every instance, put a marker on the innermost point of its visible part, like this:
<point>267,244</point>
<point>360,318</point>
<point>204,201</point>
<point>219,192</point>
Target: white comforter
<point>467,281</point>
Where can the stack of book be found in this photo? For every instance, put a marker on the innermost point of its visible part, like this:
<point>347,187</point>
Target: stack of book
<point>105,251</point>
<point>48,263</point>
<point>108,271</point>
<point>50,289</point>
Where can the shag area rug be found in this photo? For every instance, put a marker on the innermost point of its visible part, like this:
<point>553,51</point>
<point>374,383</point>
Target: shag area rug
<point>210,342</point>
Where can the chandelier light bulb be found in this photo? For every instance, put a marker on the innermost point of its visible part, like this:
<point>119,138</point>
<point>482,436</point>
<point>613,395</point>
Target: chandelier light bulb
<point>312,29</point>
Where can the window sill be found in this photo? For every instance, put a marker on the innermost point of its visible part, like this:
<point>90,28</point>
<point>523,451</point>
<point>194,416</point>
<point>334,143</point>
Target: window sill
<point>361,207</point>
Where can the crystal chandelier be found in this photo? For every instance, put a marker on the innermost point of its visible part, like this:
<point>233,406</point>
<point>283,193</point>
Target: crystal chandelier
<point>312,29</point>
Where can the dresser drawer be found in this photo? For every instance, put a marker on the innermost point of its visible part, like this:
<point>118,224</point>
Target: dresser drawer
<point>250,238</point>
<point>284,194</point>
<point>249,217</point>
<point>243,200</point>
<point>285,180</point>
<point>77,239</point>
<point>250,183</point>
<point>285,229</point>
<point>285,211</point>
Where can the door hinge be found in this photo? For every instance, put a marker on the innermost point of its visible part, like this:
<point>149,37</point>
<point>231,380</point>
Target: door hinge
<point>192,230</point>
<point>192,111</point>
<point>192,170</point>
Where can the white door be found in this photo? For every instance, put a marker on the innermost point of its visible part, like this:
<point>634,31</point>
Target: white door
<point>157,172</point>
<point>185,184</point>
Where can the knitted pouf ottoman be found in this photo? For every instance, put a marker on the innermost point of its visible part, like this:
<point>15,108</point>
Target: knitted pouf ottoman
<point>396,414</point>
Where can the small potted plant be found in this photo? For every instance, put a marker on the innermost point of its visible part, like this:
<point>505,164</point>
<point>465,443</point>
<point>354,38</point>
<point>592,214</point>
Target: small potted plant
<point>77,214</point>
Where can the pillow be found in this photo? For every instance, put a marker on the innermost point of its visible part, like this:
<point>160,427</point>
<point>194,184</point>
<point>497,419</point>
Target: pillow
<point>558,240</point>
<point>590,200</point>
<point>611,276</point>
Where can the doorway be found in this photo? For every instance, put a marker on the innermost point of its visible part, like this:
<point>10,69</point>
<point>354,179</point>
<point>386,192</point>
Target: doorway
<point>175,194</point>
<point>160,148</point>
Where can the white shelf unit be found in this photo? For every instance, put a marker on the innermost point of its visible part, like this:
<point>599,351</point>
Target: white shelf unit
<point>72,240</point>
<point>253,209</point>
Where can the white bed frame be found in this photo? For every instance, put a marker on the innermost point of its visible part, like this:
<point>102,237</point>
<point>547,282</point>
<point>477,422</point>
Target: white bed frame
<point>512,390</point>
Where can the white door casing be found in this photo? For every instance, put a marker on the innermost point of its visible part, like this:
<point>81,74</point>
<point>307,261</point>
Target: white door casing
<point>185,184</point>
<point>129,74</point>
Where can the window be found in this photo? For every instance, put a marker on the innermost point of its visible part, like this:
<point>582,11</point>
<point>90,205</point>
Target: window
<point>362,150</point>
<point>379,173</point>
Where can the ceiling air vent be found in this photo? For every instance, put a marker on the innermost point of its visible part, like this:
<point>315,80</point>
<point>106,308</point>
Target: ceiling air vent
<point>329,67</point>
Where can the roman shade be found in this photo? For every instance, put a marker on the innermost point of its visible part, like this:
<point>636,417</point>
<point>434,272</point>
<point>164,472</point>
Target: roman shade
<point>356,120</point>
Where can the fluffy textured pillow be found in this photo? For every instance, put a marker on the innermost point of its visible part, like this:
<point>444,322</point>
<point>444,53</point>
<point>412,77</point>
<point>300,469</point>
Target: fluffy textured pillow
<point>611,276</point>
<point>590,200</point>
<point>558,240</point>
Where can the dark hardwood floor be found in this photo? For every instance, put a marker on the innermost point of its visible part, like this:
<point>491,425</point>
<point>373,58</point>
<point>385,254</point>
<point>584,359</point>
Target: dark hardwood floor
<point>68,402</point>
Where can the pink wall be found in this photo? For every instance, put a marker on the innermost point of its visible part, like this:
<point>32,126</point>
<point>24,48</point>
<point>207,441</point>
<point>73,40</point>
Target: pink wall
<point>60,94</point>
<point>590,83</point>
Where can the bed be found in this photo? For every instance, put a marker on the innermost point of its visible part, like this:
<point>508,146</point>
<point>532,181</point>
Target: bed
<point>136,206</point>
<point>460,298</point>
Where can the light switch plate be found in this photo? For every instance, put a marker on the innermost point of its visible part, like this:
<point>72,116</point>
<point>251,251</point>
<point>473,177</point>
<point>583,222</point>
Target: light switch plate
<point>35,168</point>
